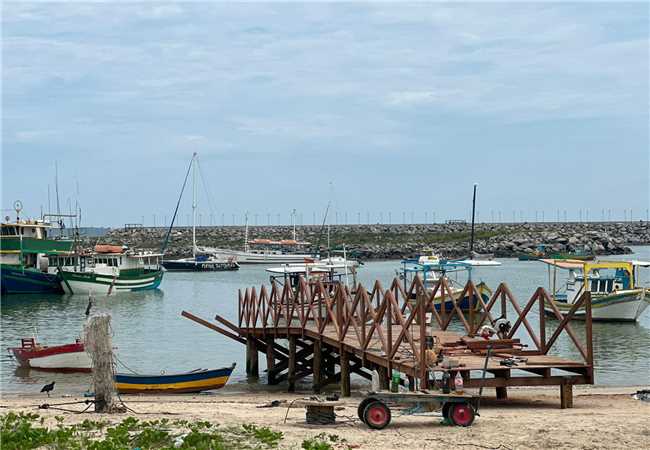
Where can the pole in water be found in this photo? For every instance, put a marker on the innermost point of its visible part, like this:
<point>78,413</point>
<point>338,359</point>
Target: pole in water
<point>97,340</point>
<point>471,238</point>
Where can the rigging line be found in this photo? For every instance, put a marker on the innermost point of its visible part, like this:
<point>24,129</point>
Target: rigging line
<point>178,204</point>
<point>205,187</point>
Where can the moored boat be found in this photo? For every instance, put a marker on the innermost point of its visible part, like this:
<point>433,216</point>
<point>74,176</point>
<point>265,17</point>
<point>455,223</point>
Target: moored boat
<point>188,382</point>
<point>25,256</point>
<point>615,292</point>
<point>56,358</point>
<point>111,269</point>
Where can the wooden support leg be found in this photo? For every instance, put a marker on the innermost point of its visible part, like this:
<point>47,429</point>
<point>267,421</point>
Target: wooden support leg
<point>270,360</point>
<point>345,374</point>
<point>502,393</point>
<point>292,364</point>
<point>254,360</point>
<point>566,396</point>
<point>384,379</point>
<point>316,367</point>
<point>411,383</point>
<point>248,355</point>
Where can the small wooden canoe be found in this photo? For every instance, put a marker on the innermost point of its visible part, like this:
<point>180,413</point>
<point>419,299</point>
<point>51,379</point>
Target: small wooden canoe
<point>188,382</point>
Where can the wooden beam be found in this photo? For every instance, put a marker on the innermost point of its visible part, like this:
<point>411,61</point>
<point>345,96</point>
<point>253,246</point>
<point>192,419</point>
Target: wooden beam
<point>345,373</point>
<point>292,364</point>
<point>566,396</point>
<point>316,366</point>
<point>270,360</point>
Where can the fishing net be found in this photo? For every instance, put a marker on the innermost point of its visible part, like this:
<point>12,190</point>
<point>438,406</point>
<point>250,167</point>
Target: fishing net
<point>99,346</point>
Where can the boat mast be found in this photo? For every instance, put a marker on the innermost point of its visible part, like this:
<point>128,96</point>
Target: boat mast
<point>471,238</point>
<point>246,232</point>
<point>194,156</point>
<point>293,220</point>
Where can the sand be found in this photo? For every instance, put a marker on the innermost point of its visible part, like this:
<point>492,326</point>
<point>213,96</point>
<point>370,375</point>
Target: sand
<point>602,418</point>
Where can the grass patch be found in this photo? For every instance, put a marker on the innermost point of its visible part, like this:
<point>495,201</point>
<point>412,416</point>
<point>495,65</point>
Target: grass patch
<point>26,431</point>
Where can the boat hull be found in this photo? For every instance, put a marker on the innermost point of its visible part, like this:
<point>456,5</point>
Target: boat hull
<point>260,258</point>
<point>88,282</point>
<point>199,266</point>
<point>189,382</point>
<point>15,280</point>
<point>61,358</point>
<point>624,306</point>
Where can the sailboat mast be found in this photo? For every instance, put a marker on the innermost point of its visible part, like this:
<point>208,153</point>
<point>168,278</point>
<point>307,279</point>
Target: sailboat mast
<point>293,219</point>
<point>471,239</point>
<point>246,232</point>
<point>194,156</point>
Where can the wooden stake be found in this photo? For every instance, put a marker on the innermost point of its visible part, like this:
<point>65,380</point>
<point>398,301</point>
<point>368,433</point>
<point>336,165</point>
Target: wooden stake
<point>566,396</point>
<point>316,367</point>
<point>345,373</point>
<point>292,364</point>
<point>270,360</point>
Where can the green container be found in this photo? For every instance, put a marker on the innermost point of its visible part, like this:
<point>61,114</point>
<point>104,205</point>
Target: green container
<point>394,382</point>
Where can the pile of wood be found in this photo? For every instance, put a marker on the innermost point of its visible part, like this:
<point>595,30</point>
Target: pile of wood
<point>467,345</point>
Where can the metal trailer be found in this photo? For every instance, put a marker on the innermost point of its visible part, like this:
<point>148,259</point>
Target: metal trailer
<point>458,409</point>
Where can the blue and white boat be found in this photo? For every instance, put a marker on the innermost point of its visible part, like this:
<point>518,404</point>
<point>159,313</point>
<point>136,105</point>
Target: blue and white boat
<point>431,268</point>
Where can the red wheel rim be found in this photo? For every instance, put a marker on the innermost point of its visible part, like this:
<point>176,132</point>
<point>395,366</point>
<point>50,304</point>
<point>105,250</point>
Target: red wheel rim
<point>462,414</point>
<point>377,415</point>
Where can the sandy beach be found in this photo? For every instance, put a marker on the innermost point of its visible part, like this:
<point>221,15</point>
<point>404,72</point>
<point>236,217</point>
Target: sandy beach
<point>602,418</point>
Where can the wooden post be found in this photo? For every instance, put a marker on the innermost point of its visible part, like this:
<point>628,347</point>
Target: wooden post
<point>291,375</point>
<point>254,359</point>
<point>502,393</point>
<point>345,373</point>
<point>97,340</point>
<point>317,366</point>
<point>566,396</point>
<point>411,383</point>
<point>270,359</point>
<point>384,379</point>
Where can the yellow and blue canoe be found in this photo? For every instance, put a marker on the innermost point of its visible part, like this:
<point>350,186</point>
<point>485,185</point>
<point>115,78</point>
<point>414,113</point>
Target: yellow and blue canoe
<point>188,382</point>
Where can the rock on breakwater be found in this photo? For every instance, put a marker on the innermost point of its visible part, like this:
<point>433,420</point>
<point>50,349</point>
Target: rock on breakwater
<point>381,241</point>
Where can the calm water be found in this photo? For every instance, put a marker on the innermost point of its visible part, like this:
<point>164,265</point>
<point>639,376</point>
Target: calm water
<point>151,335</point>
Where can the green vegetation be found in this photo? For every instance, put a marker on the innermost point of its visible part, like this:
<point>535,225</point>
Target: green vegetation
<point>324,441</point>
<point>28,431</point>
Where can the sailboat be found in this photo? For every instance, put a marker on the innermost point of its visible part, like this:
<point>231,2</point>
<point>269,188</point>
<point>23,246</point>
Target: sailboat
<point>200,261</point>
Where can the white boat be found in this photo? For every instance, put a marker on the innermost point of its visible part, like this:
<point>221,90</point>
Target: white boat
<point>330,270</point>
<point>615,292</point>
<point>60,358</point>
<point>264,251</point>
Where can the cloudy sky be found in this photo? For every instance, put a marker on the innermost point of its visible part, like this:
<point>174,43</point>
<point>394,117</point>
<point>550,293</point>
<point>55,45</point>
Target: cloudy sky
<point>379,107</point>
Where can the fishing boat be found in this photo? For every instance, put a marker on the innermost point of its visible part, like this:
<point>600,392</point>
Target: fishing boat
<point>56,358</point>
<point>199,262</point>
<point>188,382</point>
<point>615,292</point>
<point>431,269</point>
<point>26,250</point>
<point>110,269</point>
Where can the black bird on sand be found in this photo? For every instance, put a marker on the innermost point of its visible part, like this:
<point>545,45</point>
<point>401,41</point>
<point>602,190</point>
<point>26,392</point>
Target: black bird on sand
<point>48,388</point>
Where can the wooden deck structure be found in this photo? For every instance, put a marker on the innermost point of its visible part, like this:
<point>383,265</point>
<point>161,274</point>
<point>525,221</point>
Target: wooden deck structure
<point>328,332</point>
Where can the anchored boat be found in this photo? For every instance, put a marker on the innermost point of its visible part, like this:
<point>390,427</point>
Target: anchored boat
<point>111,269</point>
<point>25,256</point>
<point>188,382</point>
<point>56,358</point>
<point>615,293</point>
<point>198,262</point>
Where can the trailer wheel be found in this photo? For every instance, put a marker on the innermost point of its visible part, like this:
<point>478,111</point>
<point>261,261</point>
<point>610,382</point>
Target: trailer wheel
<point>462,414</point>
<point>362,406</point>
<point>376,415</point>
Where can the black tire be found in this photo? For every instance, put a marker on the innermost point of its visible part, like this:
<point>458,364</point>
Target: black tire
<point>377,415</point>
<point>445,412</point>
<point>362,406</point>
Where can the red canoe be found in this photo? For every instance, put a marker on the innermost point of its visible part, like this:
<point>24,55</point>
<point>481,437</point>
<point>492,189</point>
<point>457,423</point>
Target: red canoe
<point>58,358</point>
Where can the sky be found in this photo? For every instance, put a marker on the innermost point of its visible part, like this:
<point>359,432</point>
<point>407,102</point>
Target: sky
<point>386,110</point>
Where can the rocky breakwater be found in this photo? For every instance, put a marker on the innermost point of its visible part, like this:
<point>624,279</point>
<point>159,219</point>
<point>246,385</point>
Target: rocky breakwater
<point>381,241</point>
